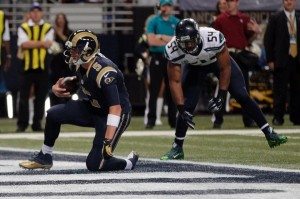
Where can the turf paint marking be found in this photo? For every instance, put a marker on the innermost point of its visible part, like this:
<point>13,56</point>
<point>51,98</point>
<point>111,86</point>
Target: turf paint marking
<point>151,179</point>
<point>246,132</point>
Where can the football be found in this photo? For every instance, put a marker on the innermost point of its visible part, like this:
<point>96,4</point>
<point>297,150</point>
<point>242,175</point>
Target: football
<point>71,84</point>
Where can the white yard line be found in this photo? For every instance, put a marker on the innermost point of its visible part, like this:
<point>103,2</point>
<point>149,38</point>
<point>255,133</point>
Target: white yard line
<point>247,132</point>
<point>240,166</point>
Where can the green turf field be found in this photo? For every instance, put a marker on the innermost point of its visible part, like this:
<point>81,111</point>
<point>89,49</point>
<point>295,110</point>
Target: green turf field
<point>233,149</point>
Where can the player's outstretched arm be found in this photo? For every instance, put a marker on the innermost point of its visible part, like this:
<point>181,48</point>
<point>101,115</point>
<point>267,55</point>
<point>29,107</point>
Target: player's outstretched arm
<point>174,74</point>
<point>225,68</point>
<point>113,120</point>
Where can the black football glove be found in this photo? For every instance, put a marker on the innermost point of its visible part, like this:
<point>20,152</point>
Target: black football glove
<point>216,103</point>
<point>186,116</point>
<point>107,149</point>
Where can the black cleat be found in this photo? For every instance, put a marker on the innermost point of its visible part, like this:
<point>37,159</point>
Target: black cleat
<point>38,161</point>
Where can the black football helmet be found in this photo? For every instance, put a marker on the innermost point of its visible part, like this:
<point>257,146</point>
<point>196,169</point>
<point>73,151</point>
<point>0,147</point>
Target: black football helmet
<point>187,35</point>
<point>85,42</point>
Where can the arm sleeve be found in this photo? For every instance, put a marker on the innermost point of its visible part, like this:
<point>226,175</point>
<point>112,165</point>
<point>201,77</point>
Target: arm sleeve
<point>108,84</point>
<point>111,95</point>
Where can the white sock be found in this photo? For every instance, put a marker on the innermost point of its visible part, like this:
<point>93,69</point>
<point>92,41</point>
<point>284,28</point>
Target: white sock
<point>47,149</point>
<point>31,109</point>
<point>159,106</point>
<point>128,165</point>
<point>147,108</point>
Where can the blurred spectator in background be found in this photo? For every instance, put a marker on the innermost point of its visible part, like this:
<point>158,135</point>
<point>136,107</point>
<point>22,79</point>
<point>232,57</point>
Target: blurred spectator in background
<point>142,69</point>
<point>58,67</point>
<point>282,50</point>
<point>239,31</point>
<point>221,7</point>
<point>5,57</point>
<point>160,29</point>
<point>34,38</point>
<point>5,61</point>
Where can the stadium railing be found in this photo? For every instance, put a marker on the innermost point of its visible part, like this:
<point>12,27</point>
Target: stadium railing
<point>101,18</point>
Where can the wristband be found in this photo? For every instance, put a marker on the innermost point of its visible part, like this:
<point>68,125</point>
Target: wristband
<point>113,120</point>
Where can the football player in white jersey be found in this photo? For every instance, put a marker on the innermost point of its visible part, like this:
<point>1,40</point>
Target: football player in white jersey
<point>193,53</point>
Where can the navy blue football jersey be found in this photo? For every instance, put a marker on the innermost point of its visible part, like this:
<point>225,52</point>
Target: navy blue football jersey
<point>103,85</point>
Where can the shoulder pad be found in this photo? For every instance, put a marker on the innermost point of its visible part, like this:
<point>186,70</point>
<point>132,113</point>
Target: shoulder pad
<point>213,40</point>
<point>107,75</point>
<point>173,53</point>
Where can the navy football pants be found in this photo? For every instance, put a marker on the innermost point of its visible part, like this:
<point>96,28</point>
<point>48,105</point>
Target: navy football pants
<point>80,113</point>
<point>193,79</point>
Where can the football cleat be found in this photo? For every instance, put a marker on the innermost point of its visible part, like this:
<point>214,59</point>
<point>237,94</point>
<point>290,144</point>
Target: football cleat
<point>176,153</point>
<point>133,158</point>
<point>275,139</point>
<point>38,161</point>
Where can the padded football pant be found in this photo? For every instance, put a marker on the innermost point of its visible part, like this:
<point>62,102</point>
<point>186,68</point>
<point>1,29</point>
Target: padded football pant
<point>245,71</point>
<point>80,113</point>
<point>192,80</point>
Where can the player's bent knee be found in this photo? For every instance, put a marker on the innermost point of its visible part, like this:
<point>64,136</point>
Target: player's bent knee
<point>53,114</point>
<point>93,163</point>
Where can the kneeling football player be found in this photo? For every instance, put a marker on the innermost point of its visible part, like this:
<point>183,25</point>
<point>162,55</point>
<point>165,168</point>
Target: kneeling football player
<point>105,107</point>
